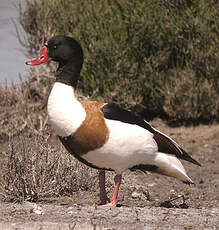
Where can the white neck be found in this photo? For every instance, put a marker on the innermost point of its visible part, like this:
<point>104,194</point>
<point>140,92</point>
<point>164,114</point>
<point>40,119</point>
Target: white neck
<point>65,112</point>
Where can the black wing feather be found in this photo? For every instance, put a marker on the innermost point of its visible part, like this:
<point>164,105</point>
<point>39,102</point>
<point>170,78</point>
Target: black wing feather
<point>114,112</point>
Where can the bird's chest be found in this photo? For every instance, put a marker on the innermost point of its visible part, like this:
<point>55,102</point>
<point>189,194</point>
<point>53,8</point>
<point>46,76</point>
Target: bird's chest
<point>92,134</point>
<point>65,113</point>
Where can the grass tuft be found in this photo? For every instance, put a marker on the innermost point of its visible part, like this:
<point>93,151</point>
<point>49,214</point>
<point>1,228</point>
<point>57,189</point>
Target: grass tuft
<point>36,170</point>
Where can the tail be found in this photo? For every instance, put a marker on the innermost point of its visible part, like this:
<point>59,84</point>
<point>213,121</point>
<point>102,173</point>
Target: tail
<point>170,165</point>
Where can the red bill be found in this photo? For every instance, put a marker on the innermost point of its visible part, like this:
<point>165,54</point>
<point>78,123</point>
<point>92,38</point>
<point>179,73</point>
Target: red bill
<point>43,58</point>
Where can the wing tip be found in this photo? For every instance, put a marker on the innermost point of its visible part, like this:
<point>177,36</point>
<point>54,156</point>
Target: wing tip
<point>187,157</point>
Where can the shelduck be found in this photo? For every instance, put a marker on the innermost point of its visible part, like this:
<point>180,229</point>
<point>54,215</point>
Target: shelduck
<point>102,135</point>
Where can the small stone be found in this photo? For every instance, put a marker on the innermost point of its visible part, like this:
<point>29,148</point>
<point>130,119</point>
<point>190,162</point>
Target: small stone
<point>151,185</point>
<point>37,209</point>
<point>147,195</point>
<point>136,195</point>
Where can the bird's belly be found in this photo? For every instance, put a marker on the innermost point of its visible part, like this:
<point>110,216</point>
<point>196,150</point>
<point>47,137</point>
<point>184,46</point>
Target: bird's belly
<point>127,146</point>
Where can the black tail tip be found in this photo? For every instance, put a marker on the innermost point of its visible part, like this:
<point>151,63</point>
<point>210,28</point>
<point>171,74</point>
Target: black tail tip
<point>188,182</point>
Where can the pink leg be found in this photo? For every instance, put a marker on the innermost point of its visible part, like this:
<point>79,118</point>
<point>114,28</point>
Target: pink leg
<point>103,197</point>
<point>113,203</point>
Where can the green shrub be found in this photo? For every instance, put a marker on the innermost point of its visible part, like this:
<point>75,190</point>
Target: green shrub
<point>158,58</point>
<point>199,99</point>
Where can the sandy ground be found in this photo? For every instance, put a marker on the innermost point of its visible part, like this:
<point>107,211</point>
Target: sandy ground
<point>145,201</point>
<point>89,217</point>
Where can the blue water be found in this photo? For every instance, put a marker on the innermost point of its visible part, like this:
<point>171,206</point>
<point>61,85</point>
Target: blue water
<point>12,58</point>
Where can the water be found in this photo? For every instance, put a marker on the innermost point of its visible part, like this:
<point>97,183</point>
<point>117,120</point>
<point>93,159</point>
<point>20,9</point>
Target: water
<point>12,59</point>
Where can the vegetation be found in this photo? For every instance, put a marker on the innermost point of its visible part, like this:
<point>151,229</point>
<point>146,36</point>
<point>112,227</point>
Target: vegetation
<point>22,109</point>
<point>36,170</point>
<point>158,58</point>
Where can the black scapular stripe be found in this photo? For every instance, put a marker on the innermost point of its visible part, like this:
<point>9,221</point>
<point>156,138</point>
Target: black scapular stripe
<point>114,112</point>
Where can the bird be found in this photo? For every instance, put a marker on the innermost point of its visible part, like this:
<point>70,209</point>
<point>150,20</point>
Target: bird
<point>104,135</point>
